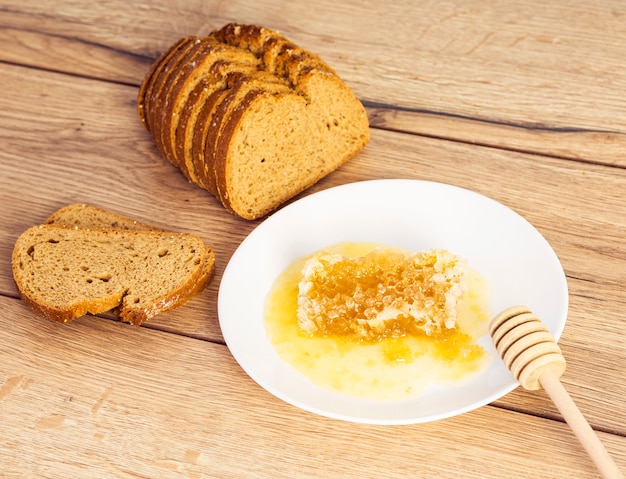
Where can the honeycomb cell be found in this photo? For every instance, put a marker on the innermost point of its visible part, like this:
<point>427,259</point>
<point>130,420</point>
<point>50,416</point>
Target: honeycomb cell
<point>380,295</point>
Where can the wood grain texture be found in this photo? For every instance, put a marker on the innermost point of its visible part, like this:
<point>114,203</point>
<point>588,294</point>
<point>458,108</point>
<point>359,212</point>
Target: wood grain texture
<point>520,101</point>
<point>518,75</point>
<point>117,402</point>
<point>68,152</point>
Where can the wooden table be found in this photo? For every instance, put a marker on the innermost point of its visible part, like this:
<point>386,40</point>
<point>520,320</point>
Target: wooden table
<point>520,101</point>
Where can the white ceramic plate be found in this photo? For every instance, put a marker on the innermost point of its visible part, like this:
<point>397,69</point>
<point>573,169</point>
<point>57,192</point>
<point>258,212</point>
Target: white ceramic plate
<point>518,262</point>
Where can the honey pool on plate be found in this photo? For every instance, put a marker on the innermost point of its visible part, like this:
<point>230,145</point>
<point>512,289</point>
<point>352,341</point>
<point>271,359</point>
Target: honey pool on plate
<point>389,369</point>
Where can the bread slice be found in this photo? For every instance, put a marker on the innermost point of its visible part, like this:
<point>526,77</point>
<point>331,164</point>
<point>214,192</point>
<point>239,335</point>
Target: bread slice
<point>82,215</point>
<point>306,134</point>
<point>233,104</point>
<point>63,272</point>
<point>167,103</point>
<point>198,110</point>
<point>229,74</point>
<point>176,91</point>
<point>162,100</point>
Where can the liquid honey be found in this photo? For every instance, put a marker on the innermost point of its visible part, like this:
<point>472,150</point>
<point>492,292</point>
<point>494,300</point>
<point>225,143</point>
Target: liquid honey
<point>387,369</point>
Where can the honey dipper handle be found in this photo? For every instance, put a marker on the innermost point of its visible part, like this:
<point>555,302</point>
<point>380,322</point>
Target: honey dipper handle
<point>579,425</point>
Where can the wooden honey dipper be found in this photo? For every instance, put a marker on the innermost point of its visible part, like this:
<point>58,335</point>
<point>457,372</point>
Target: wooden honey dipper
<point>530,352</point>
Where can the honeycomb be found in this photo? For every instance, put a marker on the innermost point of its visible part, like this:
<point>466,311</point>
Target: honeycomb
<point>384,294</point>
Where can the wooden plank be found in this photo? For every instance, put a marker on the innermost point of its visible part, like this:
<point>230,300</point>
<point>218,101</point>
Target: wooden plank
<point>528,78</point>
<point>81,142</point>
<point>572,143</point>
<point>98,399</point>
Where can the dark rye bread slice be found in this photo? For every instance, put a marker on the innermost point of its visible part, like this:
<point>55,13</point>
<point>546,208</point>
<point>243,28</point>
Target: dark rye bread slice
<point>63,273</point>
<point>306,134</point>
<point>82,215</point>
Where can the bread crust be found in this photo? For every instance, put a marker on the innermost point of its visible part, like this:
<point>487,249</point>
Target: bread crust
<point>277,52</point>
<point>250,37</point>
<point>233,104</point>
<point>82,215</point>
<point>145,90</point>
<point>197,67</point>
<point>170,103</point>
<point>208,79</point>
<point>155,83</point>
<point>163,100</point>
<point>205,122</point>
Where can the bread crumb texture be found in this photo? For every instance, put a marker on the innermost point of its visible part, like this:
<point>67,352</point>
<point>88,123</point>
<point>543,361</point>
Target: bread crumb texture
<point>249,116</point>
<point>64,272</point>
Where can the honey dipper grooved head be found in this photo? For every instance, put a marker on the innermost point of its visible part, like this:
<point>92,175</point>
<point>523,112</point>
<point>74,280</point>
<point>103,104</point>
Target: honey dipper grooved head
<point>525,345</point>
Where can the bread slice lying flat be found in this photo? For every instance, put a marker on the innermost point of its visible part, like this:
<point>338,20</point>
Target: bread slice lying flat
<point>251,117</point>
<point>64,272</point>
<point>81,215</point>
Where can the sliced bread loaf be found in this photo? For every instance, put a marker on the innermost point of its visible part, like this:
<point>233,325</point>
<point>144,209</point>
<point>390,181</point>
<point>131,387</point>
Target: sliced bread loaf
<point>253,137</point>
